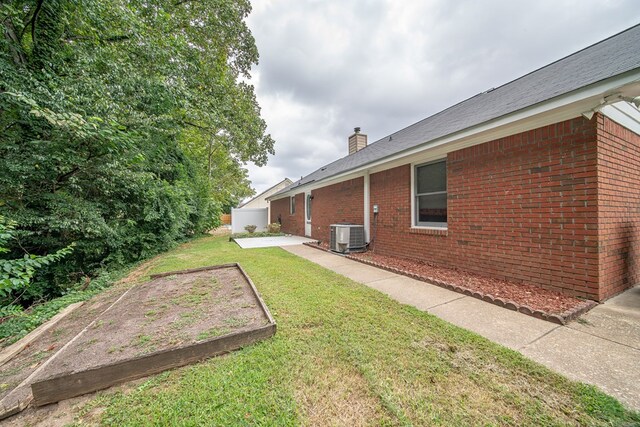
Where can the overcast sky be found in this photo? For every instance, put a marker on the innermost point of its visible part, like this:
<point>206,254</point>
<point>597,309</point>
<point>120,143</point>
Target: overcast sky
<point>327,66</point>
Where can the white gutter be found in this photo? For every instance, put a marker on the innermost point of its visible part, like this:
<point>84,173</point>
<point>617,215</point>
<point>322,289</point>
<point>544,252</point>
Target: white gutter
<point>558,109</point>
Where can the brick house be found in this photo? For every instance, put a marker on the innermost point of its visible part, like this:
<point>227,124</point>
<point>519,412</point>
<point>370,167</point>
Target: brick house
<point>535,181</point>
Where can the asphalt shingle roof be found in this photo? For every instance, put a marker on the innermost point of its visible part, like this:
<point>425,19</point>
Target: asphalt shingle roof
<point>608,58</point>
<point>263,193</point>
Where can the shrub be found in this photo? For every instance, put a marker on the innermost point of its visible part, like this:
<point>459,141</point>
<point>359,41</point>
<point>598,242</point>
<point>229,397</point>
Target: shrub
<point>256,234</point>
<point>16,274</point>
<point>251,228</point>
<point>274,228</point>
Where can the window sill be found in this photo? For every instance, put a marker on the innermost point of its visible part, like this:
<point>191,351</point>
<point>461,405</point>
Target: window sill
<point>433,231</point>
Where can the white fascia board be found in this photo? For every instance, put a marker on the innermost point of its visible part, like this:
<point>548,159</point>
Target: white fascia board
<point>319,184</point>
<point>556,110</point>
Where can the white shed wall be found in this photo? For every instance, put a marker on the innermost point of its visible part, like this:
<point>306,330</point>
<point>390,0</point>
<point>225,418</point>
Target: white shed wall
<point>240,218</point>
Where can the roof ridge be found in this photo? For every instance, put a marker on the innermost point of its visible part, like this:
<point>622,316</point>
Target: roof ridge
<point>598,63</point>
<point>507,83</point>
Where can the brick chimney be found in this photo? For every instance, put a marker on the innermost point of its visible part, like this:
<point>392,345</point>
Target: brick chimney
<point>357,141</point>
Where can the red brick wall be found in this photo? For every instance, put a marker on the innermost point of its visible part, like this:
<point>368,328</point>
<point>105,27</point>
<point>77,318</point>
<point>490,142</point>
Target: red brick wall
<point>292,224</point>
<point>619,207</point>
<point>521,208</point>
<point>342,202</point>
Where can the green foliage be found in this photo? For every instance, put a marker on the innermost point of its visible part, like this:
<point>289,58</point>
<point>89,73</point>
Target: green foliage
<point>274,228</point>
<point>16,274</point>
<point>250,228</point>
<point>124,127</point>
<point>10,310</point>
<point>254,234</point>
<point>17,326</point>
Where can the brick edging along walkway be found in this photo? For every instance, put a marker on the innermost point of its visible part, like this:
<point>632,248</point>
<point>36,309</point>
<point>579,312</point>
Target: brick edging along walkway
<point>561,319</point>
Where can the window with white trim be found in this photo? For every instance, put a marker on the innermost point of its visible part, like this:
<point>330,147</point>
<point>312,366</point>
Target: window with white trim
<point>292,205</point>
<point>430,192</point>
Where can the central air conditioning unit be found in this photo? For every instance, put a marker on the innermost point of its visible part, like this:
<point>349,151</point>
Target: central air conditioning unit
<point>347,238</point>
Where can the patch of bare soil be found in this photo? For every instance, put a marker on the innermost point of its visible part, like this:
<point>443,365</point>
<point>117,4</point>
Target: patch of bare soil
<point>168,312</point>
<point>39,351</point>
<point>223,230</point>
<point>164,313</point>
<point>65,413</point>
<point>16,370</point>
<point>522,294</point>
<point>139,274</point>
<point>335,391</point>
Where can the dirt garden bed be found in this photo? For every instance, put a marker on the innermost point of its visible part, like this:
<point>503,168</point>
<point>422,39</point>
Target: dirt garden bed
<point>15,390</point>
<point>526,298</point>
<point>175,319</point>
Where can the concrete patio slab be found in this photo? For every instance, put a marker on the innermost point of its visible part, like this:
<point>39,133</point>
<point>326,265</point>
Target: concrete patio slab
<point>612,367</point>
<point>267,242</point>
<point>414,292</point>
<point>509,328</point>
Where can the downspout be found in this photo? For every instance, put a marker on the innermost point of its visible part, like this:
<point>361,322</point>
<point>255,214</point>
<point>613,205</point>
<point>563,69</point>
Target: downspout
<point>366,197</point>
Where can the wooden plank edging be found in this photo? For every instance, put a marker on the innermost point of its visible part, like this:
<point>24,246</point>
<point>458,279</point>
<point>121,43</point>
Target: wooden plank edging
<point>15,348</point>
<point>24,402</point>
<point>194,270</point>
<point>77,383</point>
<point>74,384</point>
<point>14,407</point>
<point>263,306</point>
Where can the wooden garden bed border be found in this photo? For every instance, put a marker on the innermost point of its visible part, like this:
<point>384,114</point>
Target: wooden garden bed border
<point>74,384</point>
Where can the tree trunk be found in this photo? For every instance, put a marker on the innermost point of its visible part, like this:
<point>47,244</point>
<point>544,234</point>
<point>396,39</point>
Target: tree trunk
<point>18,55</point>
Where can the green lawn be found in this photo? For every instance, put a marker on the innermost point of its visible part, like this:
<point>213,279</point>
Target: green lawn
<point>347,355</point>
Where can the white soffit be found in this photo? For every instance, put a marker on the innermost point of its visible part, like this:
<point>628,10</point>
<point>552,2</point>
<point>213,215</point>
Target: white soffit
<point>624,114</point>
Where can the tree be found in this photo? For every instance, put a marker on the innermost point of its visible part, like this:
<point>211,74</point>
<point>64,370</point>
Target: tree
<point>123,125</point>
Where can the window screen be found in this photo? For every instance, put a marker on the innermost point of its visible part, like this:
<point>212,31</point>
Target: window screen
<point>431,194</point>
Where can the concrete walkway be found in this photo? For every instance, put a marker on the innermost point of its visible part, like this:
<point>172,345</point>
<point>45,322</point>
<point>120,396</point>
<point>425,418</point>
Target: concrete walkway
<point>601,348</point>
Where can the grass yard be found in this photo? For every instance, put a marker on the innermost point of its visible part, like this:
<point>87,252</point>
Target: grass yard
<point>347,355</point>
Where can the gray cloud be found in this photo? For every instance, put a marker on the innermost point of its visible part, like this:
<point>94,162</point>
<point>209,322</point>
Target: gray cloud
<point>328,66</point>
